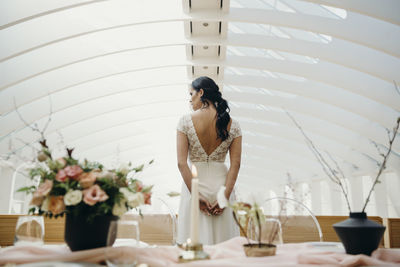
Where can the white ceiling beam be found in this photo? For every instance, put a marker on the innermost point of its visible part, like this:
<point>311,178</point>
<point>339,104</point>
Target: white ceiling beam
<point>321,127</point>
<point>364,30</point>
<point>387,10</point>
<point>322,111</point>
<point>322,92</point>
<point>376,89</point>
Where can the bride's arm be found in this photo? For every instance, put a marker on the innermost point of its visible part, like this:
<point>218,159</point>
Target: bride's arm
<point>235,153</point>
<point>182,147</point>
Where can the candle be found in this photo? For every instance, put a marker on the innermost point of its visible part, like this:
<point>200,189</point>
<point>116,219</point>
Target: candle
<point>194,212</point>
<point>194,171</point>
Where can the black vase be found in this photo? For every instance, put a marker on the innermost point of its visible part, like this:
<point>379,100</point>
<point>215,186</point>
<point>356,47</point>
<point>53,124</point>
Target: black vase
<point>358,234</point>
<point>80,234</point>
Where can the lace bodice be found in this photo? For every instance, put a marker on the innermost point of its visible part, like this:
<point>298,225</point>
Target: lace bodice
<point>196,151</point>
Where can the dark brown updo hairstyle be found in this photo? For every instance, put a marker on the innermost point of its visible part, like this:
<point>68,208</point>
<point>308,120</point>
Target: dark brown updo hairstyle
<point>212,93</point>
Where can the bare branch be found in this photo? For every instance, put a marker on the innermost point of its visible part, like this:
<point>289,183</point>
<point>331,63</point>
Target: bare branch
<point>326,167</point>
<point>383,165</point>
<point>343,178</point>
<point>49,119</point>
<point>35,129</point>
<point>397,88</point>
<point>378,149</point>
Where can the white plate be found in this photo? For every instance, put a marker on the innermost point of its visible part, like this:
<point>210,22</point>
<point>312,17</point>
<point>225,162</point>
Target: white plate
<point>328,246</point>
<point>59,264</point>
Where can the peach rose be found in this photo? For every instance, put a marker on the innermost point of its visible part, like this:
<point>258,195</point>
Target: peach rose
<point>56,204</point>
<point>87,179</point>
<point>147,198</point>
<point>37,199</point>
<point>139,186</point>
<point>61,176</point>
<point>73,171</point>
<point>94,194</point>
<point>44,188</point>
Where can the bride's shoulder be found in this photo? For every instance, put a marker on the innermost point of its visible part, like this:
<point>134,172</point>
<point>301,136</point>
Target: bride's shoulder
<point>183,120</point>
<point>236,131</point>
<point>235,123</point>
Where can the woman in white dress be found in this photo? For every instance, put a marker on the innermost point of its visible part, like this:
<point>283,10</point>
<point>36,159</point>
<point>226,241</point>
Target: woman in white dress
<point>206,136</point>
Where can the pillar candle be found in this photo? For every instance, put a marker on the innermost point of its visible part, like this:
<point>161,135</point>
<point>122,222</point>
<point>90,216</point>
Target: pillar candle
<point>194,211</point>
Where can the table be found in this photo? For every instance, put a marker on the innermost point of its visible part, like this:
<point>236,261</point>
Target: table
<point>226,254</point>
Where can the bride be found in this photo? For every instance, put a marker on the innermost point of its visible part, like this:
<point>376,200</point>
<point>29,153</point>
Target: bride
<point>206,136</point>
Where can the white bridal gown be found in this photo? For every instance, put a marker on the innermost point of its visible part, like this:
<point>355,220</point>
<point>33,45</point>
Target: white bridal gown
<point>212,173</point>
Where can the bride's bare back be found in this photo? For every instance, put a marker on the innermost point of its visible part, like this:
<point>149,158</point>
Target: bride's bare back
<point>206,130</point>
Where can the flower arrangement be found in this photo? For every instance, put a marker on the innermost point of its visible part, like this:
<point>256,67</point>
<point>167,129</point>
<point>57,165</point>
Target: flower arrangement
<point>243,213</point>
<point>68,186</point>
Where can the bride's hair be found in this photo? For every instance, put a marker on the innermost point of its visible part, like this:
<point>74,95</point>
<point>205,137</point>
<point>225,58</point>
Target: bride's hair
<point>212,94</point>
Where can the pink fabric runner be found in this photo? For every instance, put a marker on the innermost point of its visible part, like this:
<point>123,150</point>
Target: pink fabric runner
<point>226,254</point>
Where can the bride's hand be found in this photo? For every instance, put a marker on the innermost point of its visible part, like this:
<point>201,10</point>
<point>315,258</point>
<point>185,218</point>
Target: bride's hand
<point>204,205</point>
<point>215,209</point>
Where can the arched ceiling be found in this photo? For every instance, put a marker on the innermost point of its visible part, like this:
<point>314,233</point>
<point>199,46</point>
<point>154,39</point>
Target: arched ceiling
<point>114,76</point>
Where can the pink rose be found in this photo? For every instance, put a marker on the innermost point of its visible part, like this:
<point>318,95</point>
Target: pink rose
<point>147,198</point>
<point>87,179</point>
<point>61,176</point>
<point>73,171</point>
<point>44,188</point>
<point>56,204</point>
<point>94,194</point>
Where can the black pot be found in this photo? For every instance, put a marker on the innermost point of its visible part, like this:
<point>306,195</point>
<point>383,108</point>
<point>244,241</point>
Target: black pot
<point>358,234</point>
<point>80,234</point>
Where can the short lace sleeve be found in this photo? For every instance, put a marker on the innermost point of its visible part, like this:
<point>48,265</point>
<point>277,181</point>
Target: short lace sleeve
<point>182,125</point>
<point>236,131</point>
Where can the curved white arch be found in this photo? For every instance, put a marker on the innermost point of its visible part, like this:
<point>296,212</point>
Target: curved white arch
<point>322,92</point>
<point>377,34</point>
<point>301,150</point>
<point>353,56</point>
<point>290,132</point>
<point>120,82</point>
<point>386,10</point>
<point>315,125</point>
<point>373,88</point>
<point>42,8</point>
<point>348,30</point>
<point>14,123</point>
<point>322,111</point>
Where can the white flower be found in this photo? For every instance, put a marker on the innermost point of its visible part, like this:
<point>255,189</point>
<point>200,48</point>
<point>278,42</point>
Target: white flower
<point>73,197</point>
<point>45,204</point>
<point>222,201</point>
<point>119,209</point>
<point>124,169</point>
<point>133,199</point>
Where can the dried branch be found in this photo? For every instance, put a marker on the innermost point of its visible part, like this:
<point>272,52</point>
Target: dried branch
<point>240,226</point>
<point>397,88</point>
<point>35,127</point>
<point>326,167</point>
<point>383,165</point>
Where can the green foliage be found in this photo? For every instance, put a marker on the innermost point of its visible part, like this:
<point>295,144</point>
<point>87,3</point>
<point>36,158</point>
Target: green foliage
<point>88,166</point>
<point>27,189</point>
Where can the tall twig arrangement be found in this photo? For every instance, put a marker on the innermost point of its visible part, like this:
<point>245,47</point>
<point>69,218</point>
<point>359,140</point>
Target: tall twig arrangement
<point>335,173</point>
